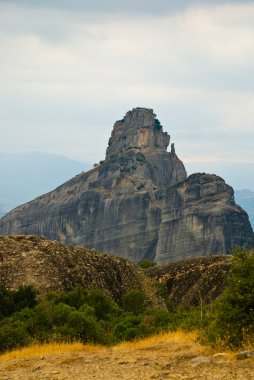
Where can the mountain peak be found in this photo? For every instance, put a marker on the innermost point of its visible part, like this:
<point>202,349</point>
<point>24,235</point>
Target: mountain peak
<point>139,203</point>
<point>139,130</point>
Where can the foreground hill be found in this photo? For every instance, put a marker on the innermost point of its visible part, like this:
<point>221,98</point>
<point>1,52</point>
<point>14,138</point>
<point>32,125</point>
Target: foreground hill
<point>138,203</point>
<point>49,265</point>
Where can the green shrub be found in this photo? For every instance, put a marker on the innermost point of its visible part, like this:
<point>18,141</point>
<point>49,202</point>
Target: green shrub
<point>102,304</point>
<point>127,327</point>
<point>146,263</point>
<point>13,334</point>
<point>85,327</point>
<point>157,124</point>
<point>12,301</point>
<point>74,298</point>
<point>134,301</point>
<point>231,320</point>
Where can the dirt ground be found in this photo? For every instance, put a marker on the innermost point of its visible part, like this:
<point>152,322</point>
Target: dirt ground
<point>155,359</point>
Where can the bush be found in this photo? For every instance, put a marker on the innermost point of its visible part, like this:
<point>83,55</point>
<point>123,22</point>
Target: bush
<point>74,298</point>
<point>157,124</point>
<point>13,334</point>
<point>146,263</point>
<point>84,327</point>
<point>84,315</point>
<point>231,321</point>
<point>102,304</point>
<point>134,302</point>
<point>12,301</point>
<point>127,327</point>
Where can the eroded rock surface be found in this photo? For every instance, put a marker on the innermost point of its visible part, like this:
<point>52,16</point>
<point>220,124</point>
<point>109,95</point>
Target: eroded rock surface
<point>138,203</point>
<point>192,282</point>
<point>50,265</point>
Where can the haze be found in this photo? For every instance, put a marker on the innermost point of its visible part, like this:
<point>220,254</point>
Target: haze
<point>69,69</point>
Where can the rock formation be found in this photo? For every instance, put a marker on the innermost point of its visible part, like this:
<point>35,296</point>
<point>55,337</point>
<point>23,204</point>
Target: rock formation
<point>193,281</point>
<point>50,265</point>
<point>138,203</point>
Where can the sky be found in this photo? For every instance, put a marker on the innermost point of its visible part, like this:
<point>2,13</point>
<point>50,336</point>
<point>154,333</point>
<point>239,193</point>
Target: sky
<point>70,69</point>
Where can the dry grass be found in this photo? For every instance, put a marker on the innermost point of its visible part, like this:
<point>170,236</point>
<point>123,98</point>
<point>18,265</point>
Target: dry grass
<point>47,349</point>
<point>177,337</point>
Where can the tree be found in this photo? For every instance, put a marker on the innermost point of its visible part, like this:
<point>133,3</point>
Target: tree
<point>232,320</point>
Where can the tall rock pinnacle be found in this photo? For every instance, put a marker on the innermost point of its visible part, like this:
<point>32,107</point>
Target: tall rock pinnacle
<point>138,203</point>
<point>139,130</point>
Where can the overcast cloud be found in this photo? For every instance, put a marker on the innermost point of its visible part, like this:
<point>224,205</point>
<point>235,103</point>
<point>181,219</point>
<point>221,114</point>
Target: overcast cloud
<point>69,69</point>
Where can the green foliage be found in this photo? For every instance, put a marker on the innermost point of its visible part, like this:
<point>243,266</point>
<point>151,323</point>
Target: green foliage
<point>157,124</point>
<point>92,316</point>
<point>134,301</point>
<point>102,304</point>
<point>13,335</point>
<point>13,301</point>
<point>146,263</point>
<point>80,315</point>
<point>231,320</point>
<point>127,327</point>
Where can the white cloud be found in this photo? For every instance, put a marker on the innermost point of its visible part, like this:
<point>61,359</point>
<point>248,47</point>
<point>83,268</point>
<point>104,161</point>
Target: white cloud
<point>65,76</point>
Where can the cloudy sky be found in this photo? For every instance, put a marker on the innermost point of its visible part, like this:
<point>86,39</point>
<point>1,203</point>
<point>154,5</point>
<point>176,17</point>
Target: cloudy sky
<point>69,69</point>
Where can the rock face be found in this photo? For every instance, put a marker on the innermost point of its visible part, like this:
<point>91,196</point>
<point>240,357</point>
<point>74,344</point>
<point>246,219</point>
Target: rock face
<point>200,215</point>
<point>138,203</point>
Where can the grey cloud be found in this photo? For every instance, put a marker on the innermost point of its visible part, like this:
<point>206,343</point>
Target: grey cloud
<point>122,6</point>
<point>65,98</point>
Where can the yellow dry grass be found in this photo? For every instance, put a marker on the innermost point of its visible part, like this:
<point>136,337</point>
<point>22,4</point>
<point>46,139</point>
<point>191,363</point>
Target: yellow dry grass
<point>47,349</point>
<point>177,337</point>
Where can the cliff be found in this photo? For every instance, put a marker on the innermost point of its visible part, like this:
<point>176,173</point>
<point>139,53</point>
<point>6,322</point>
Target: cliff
<point>138,203</point>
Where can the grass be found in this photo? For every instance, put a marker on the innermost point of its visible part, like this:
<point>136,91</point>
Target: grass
<point>176,338</point>
<point>47,349</point>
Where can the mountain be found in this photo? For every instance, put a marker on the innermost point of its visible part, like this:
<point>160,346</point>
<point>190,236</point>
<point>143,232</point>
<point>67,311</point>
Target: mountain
<point>138,203</point>
<point>24,176</point>
<point>245,198</point>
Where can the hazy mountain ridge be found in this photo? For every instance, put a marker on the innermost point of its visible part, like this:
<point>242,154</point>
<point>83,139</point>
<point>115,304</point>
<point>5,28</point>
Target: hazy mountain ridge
<point>25,176</point>
<point>245,198</point>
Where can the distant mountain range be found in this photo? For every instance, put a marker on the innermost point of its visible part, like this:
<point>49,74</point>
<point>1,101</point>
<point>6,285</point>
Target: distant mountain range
<point>25,176</point>
<point>245,198</point>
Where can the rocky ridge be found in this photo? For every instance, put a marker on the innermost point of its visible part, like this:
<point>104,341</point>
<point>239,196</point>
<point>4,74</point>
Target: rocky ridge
<point>192,282</point>
<point>138,203</point>
<point>50,265</point>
